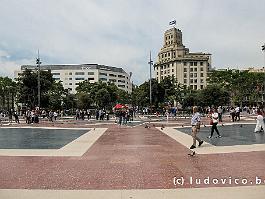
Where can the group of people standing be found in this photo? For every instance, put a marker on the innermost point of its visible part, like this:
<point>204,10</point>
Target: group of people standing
<point>123,116</point>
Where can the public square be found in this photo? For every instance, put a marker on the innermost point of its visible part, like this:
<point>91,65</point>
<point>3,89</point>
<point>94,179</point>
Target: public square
<point>100,159</point>
<point>132,99</point>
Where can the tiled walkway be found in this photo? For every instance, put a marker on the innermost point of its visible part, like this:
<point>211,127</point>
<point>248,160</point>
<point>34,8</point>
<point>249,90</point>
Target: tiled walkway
<point>136,158</point>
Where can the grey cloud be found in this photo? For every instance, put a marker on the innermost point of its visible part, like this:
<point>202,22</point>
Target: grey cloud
<point>122,32</point>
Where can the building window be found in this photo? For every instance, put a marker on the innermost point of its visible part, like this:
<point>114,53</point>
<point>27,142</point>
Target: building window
<point>195,63</point>
<point>79,78</point>
<point>70,89</point>
<point>103,74</point>
<point>195,81</point>
<point>195,74</point>
<point>90,73</point>
<point>185,81</point>
<point>191,63</point>
<point>191,81</point>
<point>185,75</point>
<point>195,87</point>
<point>172,70</point>
<point>121,86</point>
<point>122,81</point>
<point>201,86</point>
<point>191,75</point>
<point>102,79</point>
<point>112,80</point>
<point>201,74</point>
<point>195,69</point>
<point>70,84</point>
<point>70,78</point>
<point>79,73</point>
<point>56,78</point>
<point>201,69</point>
<point>201,63</point>
<point>185,63</point>
<point>121,76</point>
<point>55,73</point>
<point>91,78</point>
<point>156,73</point>
<point>185,69</point>
<point>70,73</point>
<point>191,70</point>
<point>201,80</point>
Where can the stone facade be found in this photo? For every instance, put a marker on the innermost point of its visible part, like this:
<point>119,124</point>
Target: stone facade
<point>175,60</point>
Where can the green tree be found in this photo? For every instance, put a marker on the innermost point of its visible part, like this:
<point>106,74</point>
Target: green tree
<point>55,96</point>
<point>8,92</point>
<point>103,98</point>
<point>28,87</point>
<point>213,95</point>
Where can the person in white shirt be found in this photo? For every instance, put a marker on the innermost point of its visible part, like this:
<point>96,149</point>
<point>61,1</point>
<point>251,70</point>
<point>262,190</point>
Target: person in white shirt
<point>214,117</point>
<point>220,113</point>
<point>260,122</point>
<point>195,123</point>
<point>237,113</point>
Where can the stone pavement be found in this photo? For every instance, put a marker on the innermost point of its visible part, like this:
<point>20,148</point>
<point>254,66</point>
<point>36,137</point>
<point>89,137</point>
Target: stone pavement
<point>132,162</point>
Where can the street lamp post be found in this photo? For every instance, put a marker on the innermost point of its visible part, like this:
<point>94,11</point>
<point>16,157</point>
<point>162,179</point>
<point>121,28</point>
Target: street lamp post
<point>38,62</point>
<point>150,63</point>
<point>263,94</point>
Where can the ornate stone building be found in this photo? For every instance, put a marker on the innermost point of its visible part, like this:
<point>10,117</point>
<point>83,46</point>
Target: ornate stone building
<point>175,60</point>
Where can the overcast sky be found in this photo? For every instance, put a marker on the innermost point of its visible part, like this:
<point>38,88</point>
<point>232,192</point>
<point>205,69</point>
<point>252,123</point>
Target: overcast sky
<point>122,32</point>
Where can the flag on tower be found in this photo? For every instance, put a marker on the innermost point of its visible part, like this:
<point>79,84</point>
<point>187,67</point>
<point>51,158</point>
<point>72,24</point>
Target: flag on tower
<point>172,22</point>
<point>263,47</point>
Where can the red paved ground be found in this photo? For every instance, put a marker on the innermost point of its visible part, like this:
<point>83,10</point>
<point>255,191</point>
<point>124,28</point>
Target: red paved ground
<point>127,158</point>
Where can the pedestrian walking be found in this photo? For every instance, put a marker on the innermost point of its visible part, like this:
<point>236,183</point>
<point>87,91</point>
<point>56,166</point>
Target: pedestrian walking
<point>260,122</point>
<point>220,113</point>
<point>233,113</point>
<point>238,110</point>
<point>195,127</point>
<point>16,117</point>
<point>214,122</point>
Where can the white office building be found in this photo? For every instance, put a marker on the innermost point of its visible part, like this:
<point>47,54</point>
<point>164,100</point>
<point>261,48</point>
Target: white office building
<point>71,75</point>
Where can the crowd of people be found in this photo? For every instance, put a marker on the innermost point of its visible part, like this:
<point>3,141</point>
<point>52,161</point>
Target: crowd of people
<point>215,115</point>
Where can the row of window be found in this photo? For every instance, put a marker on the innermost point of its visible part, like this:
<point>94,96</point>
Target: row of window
<point>185,64</point>
<point>193,81</point>
<point>120,86</point>
<point>169,37</point>
<point>76,73</point>
<point>92,78</point>
<point>169,42</point>
<point>192,69</point>
<point>193,75</point>
<point>168,54</point>
<point>193,63</point>
<point>195,87</point>
<point>185,70</point>
<point>91,73</point>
